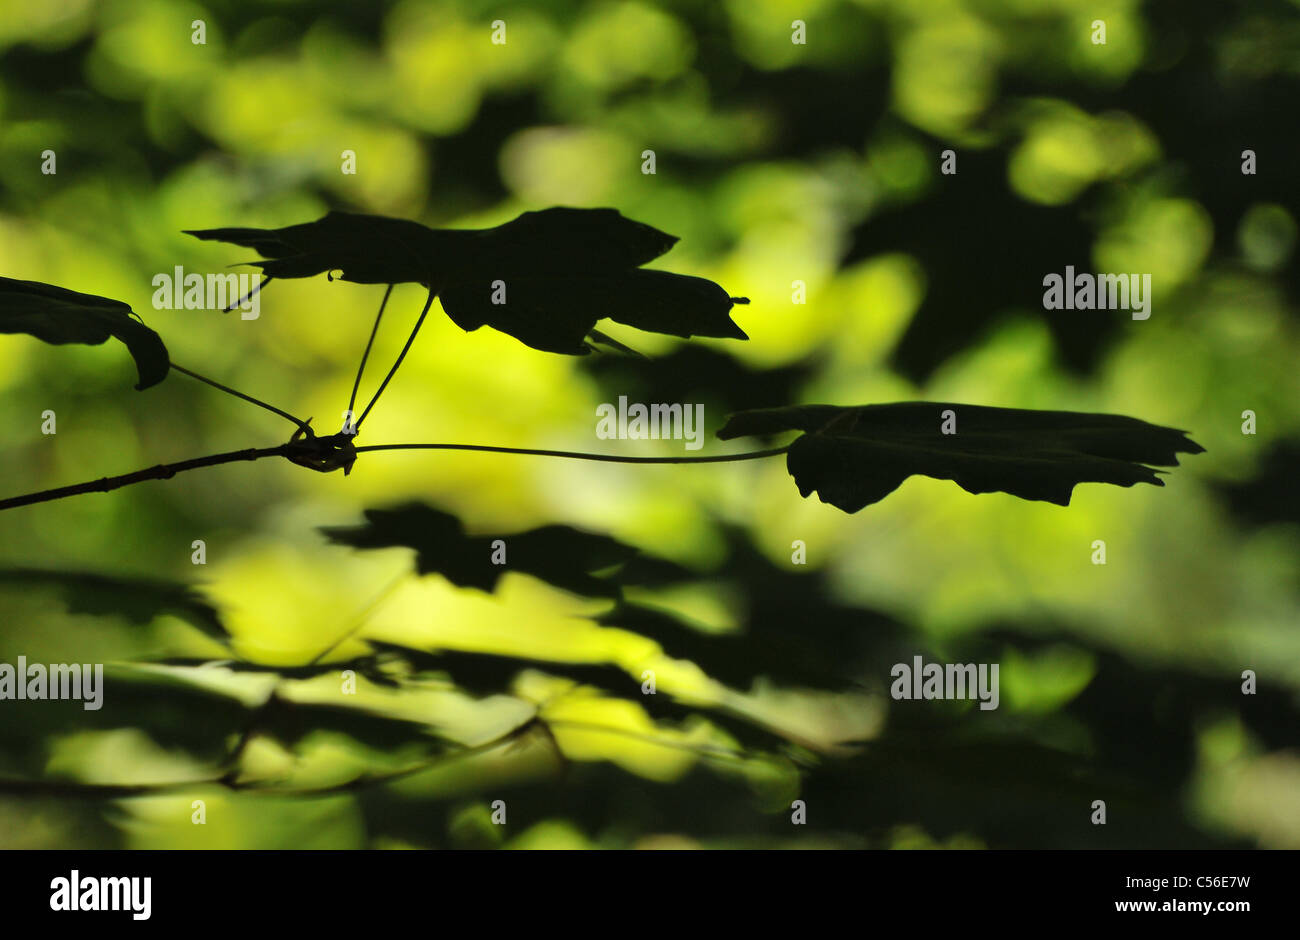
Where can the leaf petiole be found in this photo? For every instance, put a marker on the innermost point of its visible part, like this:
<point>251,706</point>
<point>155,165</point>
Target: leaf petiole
<point>400,356</point>
<point>352,401</point>
<point>248,398</point>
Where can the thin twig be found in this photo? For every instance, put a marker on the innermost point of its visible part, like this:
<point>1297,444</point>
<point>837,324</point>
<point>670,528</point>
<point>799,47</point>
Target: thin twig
<point>352,401</point>
<point>580,455</point>
<point>230,391</point>
<point>161,472</point>
<point>166,471</point>
<point>400,356</point>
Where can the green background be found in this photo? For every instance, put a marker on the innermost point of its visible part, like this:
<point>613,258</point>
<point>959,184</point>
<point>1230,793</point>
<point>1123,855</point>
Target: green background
<point>776,162</point>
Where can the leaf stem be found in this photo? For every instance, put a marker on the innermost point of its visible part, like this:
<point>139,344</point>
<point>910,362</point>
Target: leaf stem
<point>249,296</point>
<point>230,391</point>
<point>581,455</point>
<point>400,356</point>
<point>352,402</point>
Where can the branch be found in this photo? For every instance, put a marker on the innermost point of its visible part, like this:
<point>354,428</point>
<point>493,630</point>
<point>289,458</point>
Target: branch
<point>333,452</point>
<point>163,471</point>
<point>400,356</point>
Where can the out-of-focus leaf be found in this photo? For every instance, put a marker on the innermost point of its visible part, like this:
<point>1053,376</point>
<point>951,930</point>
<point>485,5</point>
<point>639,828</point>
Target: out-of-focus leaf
<point>485,674</point>
<point>175,713</point>
<point>368,666</point>
<point>57,316</point>
<point>853,457</point>
<point>139,600</point>
<point>1268,496</point>
<point>558,554</point>
<point>289,722</point>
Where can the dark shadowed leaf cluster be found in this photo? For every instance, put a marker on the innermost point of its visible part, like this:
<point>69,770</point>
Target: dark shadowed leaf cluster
<point>560,555</point>
<point>545,277</point>
<point>139,600</point>
<point>853,457</point>
<point>56,315</point>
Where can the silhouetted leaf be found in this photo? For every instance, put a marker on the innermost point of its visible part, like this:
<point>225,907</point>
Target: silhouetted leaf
<point>554,314</point>
<point>374,249</point>
<point>563,269</point>
<point>679,305</point>
<point>564,239</point>
<point>139,600</point>
<point>367,249</point>
<point>538,313</point>
<point>854,457</point>
<point>56,315</point>
<point>558,554</point>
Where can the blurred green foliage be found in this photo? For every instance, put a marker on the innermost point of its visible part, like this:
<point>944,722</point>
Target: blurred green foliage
<point>776,162</point>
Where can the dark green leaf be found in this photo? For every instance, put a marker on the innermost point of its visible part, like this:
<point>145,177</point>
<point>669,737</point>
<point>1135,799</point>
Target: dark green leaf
<point>171,709</point>
<point>55,315</point>
<point>485,674</point>
<point>853,457</point>
<point>139,600</point>
<point>558,554</point>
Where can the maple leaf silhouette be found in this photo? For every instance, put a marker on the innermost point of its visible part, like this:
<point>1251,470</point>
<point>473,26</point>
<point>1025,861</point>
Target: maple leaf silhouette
<point>544,277</point>
<point>853,457</point>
